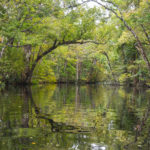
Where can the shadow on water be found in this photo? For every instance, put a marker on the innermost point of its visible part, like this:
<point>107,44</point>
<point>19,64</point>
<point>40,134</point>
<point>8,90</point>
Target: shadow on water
<point>89,117</point>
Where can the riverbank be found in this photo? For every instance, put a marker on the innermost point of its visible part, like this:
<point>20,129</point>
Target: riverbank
<point>115,84</point>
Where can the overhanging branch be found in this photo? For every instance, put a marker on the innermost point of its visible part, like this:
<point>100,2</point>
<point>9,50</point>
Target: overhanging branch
<point>81,42</point>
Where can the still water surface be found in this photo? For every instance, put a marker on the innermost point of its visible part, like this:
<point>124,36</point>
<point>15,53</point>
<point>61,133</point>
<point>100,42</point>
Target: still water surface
<point>69,117</point>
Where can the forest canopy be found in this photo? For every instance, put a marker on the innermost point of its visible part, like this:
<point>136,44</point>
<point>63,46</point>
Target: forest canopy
<point>75,41</point>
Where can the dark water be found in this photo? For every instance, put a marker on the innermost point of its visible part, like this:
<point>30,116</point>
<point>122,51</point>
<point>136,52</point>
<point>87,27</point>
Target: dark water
<point>69,117</point>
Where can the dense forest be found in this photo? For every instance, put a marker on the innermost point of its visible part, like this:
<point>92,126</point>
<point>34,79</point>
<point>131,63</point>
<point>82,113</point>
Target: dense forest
<point>75,41</point>
<point>100,48</point>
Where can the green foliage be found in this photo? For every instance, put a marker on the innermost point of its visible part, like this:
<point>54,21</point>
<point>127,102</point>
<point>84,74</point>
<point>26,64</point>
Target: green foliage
<point>29,29</point>
<point>12,66</point>
<point>77,64</point>
<point>43,73</point>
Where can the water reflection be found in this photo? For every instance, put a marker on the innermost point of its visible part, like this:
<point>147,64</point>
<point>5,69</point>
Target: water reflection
<point>89,117</point>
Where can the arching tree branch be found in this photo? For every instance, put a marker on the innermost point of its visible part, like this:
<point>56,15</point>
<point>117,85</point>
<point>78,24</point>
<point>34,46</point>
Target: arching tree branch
<point>56,44</point>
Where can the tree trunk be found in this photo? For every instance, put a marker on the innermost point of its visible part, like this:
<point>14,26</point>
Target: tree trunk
<point>4,47</point>
<point>2,51</point>
<point>29,73</point>
<point>77,70</point>
<point>109,64</point>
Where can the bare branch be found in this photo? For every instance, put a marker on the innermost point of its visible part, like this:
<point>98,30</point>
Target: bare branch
<point>115,5</point>
<point>146,34</point>
<point>79,4</point>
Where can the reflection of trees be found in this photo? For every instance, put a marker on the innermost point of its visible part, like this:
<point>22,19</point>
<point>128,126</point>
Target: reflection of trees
<point>133,100</point>
<point>105,106</point>
<point>25,109</point>
<point>142,127</point>
<point>30,119</point>
<point>55,126</point>
<point>127,117</point>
